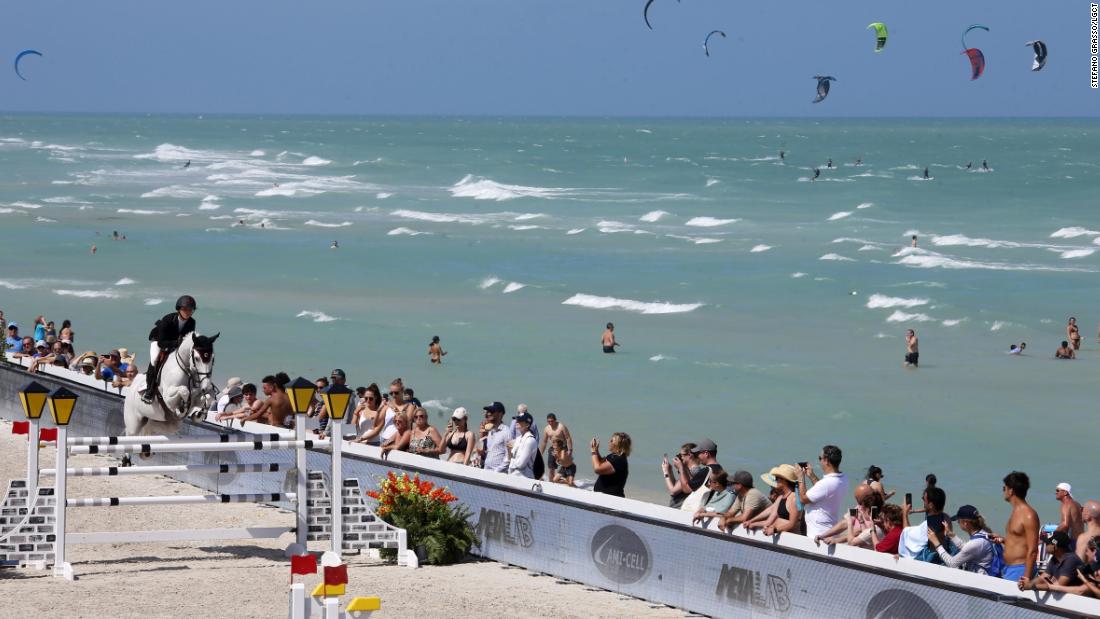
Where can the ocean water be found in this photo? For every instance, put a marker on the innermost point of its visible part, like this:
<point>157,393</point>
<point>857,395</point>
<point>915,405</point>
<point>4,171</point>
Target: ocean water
<point>754,306</point>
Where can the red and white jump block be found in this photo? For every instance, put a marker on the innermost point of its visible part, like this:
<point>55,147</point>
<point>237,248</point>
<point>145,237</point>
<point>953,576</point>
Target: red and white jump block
<point>324,602</point>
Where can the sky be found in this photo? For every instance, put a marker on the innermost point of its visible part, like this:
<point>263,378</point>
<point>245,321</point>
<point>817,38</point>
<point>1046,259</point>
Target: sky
<point>543,58</point>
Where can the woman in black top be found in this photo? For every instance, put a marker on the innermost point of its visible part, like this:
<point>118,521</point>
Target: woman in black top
<point>612,471</point>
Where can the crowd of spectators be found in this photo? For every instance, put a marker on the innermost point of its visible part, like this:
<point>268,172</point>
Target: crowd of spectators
<point>802,499</point>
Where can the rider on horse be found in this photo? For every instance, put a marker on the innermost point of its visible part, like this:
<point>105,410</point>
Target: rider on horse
<point>164,339</point>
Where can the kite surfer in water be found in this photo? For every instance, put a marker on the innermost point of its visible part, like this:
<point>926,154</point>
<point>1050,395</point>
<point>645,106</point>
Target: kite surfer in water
<point>926,177</point>
<point>187,165</point>
<point>985,166</point>
<point>817,173</point>
<point>829,164</point>
<point>783,156</point>
<point>969,164</point>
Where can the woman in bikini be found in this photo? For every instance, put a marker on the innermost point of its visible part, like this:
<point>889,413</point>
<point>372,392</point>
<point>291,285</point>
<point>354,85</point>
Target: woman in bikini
<point>459,439</point>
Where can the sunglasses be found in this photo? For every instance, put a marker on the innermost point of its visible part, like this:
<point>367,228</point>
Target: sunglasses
<point>420,417</point>
<point>371,397</point>
<point>396,393</point>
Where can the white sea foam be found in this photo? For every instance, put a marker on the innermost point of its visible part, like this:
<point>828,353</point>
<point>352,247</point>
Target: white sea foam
<point>26,205</point>
<point>798,275</point>
<point>138,211</point>
<point>952,323</point>
<point>382,195</point>
<point>998,325</point>
<point>88,294</point>
<point>153,301</point>
<point>698,240</point>
<point>321,224</point>
<point>876,301</point>
<point>608,226</point>
<point>173,153</point>
<point>708,222</point>
<point>45,220</point>
<point>1072,232</point>
<point>712,182</point>
<point>316,316</point>
<point>529,216</point>
<point>576,230</point>
<point>488,282</point>
<point>174,191</point>
<point>513,286</point>
<point>839,215</point>
<point>759,248</point>
<point>11,285</point>
<point>209,206</point>
<point>1075,253</point>
<point>630,305</point>
<point>528,227</point>
<point>951,240</point>
<point>405,231</point>
<point>315,161</point>
<point>257,153</point>
<point>865,205</point>
<point>922,178</point>
<point>900,316</point>
<point>480,188</point>
<point>836,257</point>
<point>869,248</point>
<point>656,358</point>
<point>932,260</point>
<point>653,216</point>
<point>5,211</point>
<point>125,281</point>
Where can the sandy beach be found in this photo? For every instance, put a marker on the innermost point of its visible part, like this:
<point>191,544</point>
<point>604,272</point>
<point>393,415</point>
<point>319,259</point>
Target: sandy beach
<point>248,580</point>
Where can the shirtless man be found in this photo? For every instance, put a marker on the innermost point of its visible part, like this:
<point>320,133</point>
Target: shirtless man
<point>435,351</point>
<point>1021,540</point>
<point>554,430</point>
<point>1071,511</point>
<point>1065,351</point>
<point>912,349</point>
<point>1091,516</point>
<point>913,241</point>
<point>1073,334</point>
<point>247,410</point>
<point>279,413</point>
<point>608,339</point>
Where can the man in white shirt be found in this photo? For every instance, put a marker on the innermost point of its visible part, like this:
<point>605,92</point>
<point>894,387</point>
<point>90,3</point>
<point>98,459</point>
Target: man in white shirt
<point>523,448</point>
<point>825,500</point>
<point>494,439</point>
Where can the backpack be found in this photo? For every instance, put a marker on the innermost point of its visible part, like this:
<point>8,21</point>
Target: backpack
<point>997,566</point>
<point>538,467</point>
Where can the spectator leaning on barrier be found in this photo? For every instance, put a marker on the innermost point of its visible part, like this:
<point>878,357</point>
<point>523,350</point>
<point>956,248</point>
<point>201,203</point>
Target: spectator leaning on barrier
<point>914,539</point>
<point>719,501</point>
<point>748,502</point>
<point>14,342</point>
<point>785,513</point>
<point>1061,569</point>
<point>891,523</point>
<point>825,499</point>
<point>977,554</point>
<point>1070,509</point>
<point>613,470</point>
<point>684,475</point>
<point>1021,540</point>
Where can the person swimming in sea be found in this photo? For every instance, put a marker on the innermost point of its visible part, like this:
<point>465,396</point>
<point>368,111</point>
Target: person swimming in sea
<point>335,245</point>
<point>817,173</point>
<point>913,242</point>
<point>608,339</point>
<point>859,161</point>
<point>187,165</point>
<point>969,164</point>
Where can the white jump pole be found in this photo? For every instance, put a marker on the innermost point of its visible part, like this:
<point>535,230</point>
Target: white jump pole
<point>337,490</point>
<point>32,463</point>
<point>301,512</point>
<point>154,448</point>
<point>168,468</point>
<point>60,566</point>
<point>273,497</point>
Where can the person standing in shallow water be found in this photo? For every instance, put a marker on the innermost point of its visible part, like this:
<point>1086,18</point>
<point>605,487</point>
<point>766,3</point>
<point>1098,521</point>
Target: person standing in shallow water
<point>435,351</point>
<point>912,349</point>
<point>1073,334</point>
<point>608,339</point>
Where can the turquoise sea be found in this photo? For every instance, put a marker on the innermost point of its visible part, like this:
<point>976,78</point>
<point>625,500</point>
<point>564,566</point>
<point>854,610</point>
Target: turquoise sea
<point>754,306</point>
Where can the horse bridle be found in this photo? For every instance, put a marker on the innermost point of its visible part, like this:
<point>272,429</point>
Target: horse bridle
<point>194,377</point>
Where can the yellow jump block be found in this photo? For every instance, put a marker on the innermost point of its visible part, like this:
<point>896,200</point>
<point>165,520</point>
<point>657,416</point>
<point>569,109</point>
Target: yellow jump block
<point>364,604</point>
<point>330,591</point>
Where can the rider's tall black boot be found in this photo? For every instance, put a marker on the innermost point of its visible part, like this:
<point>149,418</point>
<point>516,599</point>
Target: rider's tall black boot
<point>150,385</point>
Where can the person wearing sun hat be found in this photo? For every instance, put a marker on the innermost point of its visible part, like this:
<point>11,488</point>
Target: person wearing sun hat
<point>785,514</point>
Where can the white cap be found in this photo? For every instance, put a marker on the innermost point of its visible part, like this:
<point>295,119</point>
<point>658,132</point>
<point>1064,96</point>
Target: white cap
<point>1066,487</point>
<point>460,413</point>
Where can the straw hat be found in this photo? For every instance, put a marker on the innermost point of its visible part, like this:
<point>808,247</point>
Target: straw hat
<point>785,471</point>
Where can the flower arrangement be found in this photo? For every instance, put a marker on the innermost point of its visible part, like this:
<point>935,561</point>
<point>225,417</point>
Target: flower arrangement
<point>434,527</point>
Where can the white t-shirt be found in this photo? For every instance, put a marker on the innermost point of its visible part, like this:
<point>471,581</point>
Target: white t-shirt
<point>826,502</point>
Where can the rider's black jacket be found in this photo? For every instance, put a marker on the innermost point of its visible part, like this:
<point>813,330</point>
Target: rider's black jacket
<point>167,332</point>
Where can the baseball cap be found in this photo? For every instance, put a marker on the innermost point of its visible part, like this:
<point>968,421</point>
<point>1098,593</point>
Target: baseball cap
<point>13,325</point>
<point>966,512</point>
<point>1060,539</point>
<point>1064,486</point>
<point>41,344</point>
<point>495,407</point>
<point>744,478</point>
<point>338,373</point>
<point>705,445</point>
<point>524,417</point>
<point>460,413</point>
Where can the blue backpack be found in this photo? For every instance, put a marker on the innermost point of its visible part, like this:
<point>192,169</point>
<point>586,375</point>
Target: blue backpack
<point>997,566</point>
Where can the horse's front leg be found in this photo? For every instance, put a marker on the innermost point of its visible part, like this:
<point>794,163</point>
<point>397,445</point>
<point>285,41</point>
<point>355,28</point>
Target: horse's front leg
<point>174,397</point>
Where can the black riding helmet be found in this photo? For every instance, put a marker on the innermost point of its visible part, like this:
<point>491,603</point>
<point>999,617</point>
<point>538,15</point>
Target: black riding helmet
<point>186,301</point>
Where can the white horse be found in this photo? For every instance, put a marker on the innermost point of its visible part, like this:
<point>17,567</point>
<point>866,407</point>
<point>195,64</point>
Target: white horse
<point>185,389</point>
